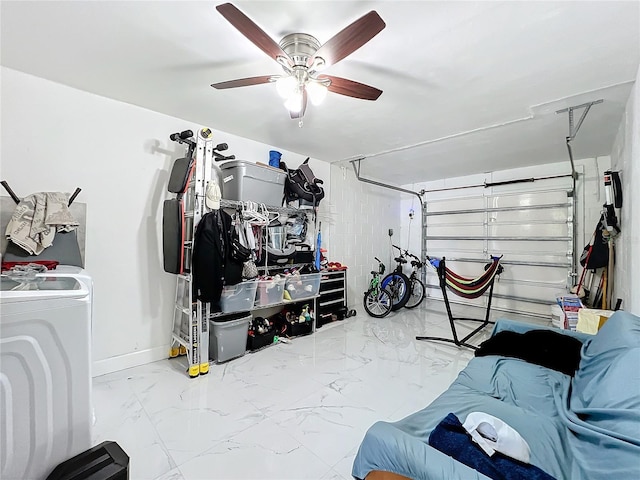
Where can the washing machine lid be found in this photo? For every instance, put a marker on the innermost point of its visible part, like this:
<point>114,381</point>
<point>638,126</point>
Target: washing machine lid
<point>69,271</point>
<point>15,289</point>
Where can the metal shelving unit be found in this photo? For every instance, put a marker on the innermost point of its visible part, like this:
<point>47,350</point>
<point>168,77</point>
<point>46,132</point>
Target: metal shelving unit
<point>263,307</point>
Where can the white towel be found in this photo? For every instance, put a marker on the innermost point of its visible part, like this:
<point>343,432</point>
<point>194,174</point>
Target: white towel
<point>493,435</point>
<point>37,218</point>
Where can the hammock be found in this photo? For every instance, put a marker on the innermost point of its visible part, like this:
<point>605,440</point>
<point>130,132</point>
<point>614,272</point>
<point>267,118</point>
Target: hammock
<point>469,287</point>
<point>465,287</point>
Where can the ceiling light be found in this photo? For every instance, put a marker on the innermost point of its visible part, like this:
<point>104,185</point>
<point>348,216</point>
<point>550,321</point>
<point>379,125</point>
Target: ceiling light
<point>317,92</point>
<point>294,102</point>
<point>286,86</point>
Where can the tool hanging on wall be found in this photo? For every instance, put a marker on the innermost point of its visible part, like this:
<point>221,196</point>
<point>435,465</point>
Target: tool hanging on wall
<point>599,253</point>
<point>611,229</point>
<point>613,200</point>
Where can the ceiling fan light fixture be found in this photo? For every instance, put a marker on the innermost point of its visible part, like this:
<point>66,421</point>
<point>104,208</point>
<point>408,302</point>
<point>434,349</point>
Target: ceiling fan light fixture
<point>301,56</point>
<point>286,86</point>
<point>294,102</point>
<point>317,92</point>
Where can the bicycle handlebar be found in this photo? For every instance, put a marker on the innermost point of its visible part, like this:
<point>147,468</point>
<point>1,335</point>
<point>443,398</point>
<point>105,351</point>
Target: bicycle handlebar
<point>406,252</point>
<point>379,261</point>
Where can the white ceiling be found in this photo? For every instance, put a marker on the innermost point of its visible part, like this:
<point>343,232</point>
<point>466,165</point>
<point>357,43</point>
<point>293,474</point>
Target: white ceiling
<point>474,84</point>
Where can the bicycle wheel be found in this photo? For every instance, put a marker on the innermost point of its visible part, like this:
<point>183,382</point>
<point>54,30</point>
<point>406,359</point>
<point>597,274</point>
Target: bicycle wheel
<point>398,286</point>
<point>377,302</point>
<point>416,293</point>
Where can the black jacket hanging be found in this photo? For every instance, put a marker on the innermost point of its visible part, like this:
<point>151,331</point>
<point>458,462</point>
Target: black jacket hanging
<point>213,266</point>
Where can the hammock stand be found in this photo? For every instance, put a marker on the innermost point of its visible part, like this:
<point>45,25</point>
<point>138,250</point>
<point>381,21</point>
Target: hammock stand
<point>467,288</point>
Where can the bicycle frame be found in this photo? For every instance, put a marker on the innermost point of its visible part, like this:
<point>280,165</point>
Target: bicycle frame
<point>376,277</point>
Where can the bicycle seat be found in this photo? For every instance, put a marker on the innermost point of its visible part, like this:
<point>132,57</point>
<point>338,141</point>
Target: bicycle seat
<point>373,272</point>
<point>400,260</point>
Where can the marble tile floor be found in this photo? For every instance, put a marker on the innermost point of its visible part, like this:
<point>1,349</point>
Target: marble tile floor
<point>290,411</point>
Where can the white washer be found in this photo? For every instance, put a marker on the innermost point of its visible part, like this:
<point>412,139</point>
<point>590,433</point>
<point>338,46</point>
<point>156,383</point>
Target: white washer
<point>45,372</point>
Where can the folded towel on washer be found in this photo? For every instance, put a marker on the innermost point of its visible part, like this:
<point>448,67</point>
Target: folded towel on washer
<point>37,218</point>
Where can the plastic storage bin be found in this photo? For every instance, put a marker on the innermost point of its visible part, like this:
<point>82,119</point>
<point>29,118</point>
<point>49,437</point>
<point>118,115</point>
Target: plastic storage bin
<point>269,291</point>
<point>303,286</point>
<point>228,337</point>
<point>238,298</point>
<point>300,328</point>
<point>242,180</point>
<point>260,340</point>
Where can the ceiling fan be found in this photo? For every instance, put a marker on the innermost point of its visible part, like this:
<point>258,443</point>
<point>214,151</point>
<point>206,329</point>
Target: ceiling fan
<point>303,58</point>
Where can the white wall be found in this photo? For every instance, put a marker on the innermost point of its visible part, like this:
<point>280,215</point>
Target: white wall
<point>359,219</point>
<point>625,157</point>
<point>56,138</point>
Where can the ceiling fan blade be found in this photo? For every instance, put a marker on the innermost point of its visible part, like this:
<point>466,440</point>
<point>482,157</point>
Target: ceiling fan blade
<point>349,39</point>
<point>253,32</point>
<point>243,82</point>
<point>350,88</point>
<point>300,114</point>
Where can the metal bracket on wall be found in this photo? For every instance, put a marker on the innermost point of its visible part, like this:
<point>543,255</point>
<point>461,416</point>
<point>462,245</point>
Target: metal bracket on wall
<point>380,184</point>
<point>573,131</point>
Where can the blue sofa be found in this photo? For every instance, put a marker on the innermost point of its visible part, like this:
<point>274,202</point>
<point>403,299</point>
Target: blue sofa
<point>578,428</point>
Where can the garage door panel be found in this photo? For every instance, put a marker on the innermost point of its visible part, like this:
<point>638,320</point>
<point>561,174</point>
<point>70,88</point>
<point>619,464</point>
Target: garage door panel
<point>527,199</point>
<point>449,230</point>
<point>548,215</point>
<point>537,247</point>
<point>528,230</point>
<point>531,229</point>
<point>459,219</point>
<point>449,248</point>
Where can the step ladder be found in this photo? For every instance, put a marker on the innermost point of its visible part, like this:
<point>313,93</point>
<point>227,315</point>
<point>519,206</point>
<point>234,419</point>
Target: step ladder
<point>190,330</point>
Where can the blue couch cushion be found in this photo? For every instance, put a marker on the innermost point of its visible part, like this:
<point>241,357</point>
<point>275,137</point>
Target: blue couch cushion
<point>585,428</point>
<point>603,414</point>
<point>523,395</point>
<point>606,388</point>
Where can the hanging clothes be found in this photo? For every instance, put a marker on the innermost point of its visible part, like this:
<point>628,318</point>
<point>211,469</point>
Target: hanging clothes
<point>213,266</point>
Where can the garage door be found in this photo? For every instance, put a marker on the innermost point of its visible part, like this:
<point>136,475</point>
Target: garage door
<point>532,228</point>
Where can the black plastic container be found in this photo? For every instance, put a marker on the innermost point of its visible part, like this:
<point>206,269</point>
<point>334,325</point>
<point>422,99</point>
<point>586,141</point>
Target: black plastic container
<point>260,340</point>
<point>106,461</point>
<point>296,329</point>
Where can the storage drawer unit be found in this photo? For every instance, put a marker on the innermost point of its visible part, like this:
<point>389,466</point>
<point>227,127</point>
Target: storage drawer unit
<point>333,295</point>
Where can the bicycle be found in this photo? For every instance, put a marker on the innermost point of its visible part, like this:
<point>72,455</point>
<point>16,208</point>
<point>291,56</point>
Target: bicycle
<point>377,300</point>
<point>398,284</point>
<point>417,292</point>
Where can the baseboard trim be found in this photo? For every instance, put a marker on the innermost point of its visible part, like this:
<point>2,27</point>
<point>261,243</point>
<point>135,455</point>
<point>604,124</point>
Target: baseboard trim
<point>129,360</point>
